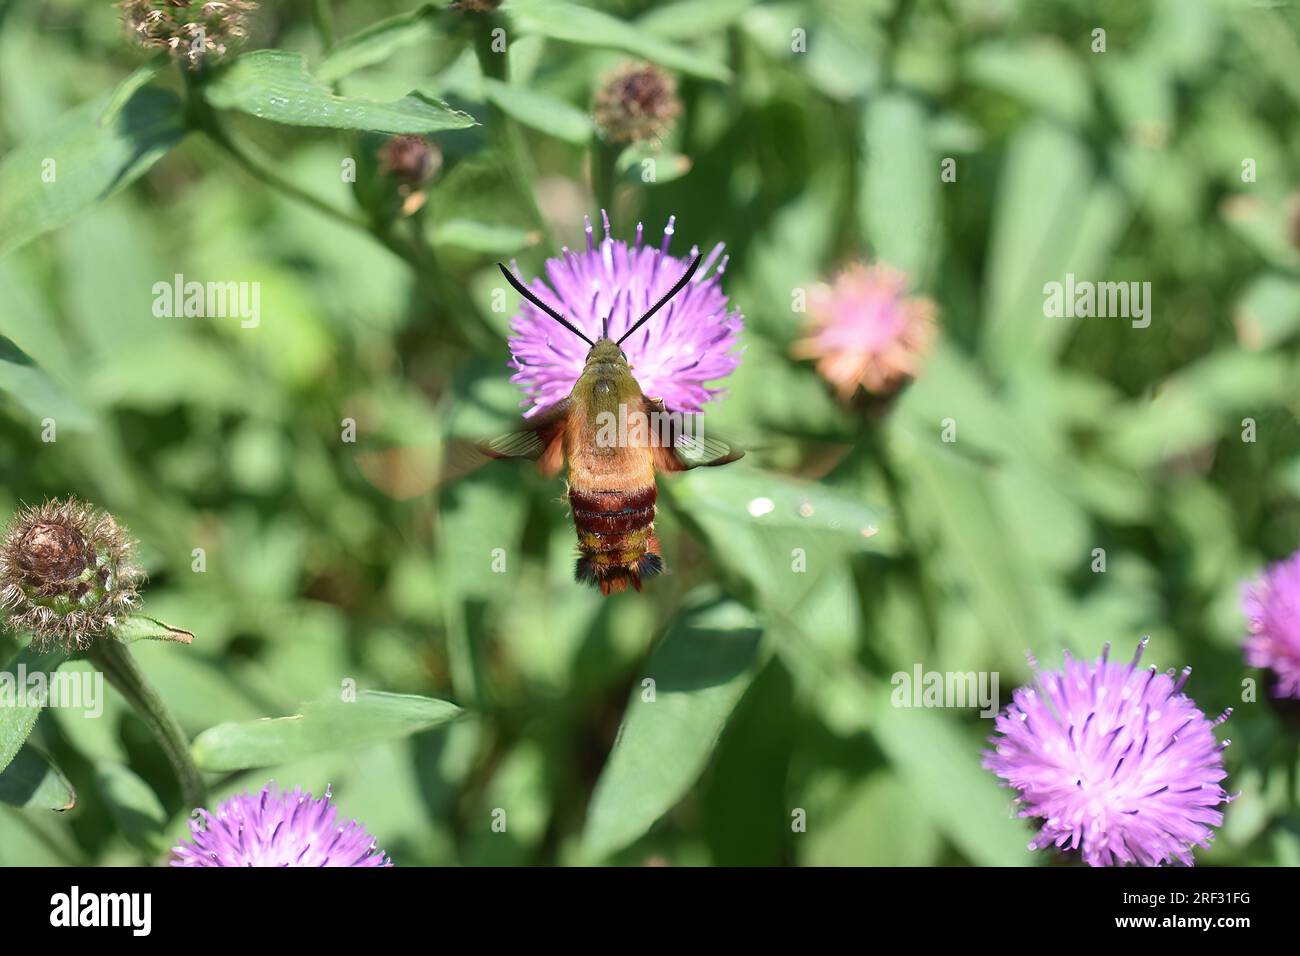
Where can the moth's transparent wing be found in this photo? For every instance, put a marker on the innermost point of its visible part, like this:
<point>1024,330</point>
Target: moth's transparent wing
<point>682,449</point>
<point>539,440</point>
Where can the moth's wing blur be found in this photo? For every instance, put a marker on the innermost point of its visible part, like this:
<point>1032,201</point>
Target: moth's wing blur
<point>540,440</point>
<point>683,452</point>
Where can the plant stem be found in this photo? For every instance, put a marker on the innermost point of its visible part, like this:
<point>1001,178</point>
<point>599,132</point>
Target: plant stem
<point>876,446</point>
<point>604,160</point>
<point>324,20</point>
<point>504,131</point>
<point>278,182</point>
<point>115,660</point>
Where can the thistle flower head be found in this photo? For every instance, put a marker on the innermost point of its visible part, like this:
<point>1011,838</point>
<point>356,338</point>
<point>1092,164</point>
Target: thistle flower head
<point>635,103</point>
<point>688,343</point>
<point>66,573</point>
<point>277,828</point>
<point>865,330</point>
<point>192,30</point>
<point>1272,607</point>
<point>1117,762</point>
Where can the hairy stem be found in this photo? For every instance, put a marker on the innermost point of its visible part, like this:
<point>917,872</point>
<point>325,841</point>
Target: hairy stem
<point>323,18</point>
<point>115,660</point>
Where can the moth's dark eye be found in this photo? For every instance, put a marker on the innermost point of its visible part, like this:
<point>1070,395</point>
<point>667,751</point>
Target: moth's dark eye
<point>622,353</point>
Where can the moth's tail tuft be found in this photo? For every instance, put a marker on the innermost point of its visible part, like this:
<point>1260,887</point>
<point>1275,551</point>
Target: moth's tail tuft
<point>613,578</point>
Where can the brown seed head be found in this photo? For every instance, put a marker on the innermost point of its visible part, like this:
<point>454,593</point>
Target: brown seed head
<point>191,30</point>
<point>637,102</point>
<point>66,573</point>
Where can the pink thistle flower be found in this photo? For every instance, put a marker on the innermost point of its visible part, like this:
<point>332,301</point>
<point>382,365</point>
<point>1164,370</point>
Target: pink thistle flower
<point>1118,763</point>
<point>277,828</point>
<point>686,345</point>
<point>1272,606</point>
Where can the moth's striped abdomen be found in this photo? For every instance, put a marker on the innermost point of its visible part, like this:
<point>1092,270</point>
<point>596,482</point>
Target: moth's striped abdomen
<point>616,536</point>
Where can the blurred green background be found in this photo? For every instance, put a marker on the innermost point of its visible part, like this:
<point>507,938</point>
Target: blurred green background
<point>330,561</point>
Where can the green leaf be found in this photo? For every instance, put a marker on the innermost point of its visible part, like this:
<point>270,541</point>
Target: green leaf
<point>583,25</point>
<point>88,154</point>
<point>19,706</point>
<point>378,42</point>
<point>1268,312</point>
<point>545,113</point>
<point>275,85</point>
<point>483,237</point>
<point>940,767</point>
<point>330,724</point>
<point>1041,72</point>
<point>139,627</point>
<point>954,498</point>
<point>135,808</point>
<point>900,204</point>
<point>667,166</point>
<point>688,19</point>
<point>36,391</point>
<point>32,781</point>
<point>871,823</point>
<point>700,671</point>
<point>760,523</point>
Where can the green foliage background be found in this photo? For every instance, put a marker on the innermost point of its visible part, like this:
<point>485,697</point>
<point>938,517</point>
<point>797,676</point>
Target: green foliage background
<point>331,565</point>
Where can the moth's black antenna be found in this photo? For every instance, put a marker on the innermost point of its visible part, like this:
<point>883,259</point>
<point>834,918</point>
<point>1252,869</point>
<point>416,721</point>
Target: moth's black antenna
<point>662,302</point>
<point>522,290</point>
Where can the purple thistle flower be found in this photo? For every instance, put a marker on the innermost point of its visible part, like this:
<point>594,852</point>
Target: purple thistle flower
<point>277,828</point>
<point>1117,762</point>
<point>1272,606</point>
<point>688,343</point>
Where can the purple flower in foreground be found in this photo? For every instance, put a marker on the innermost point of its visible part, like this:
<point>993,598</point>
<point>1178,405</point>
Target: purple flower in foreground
<point>277,828</point>
<point>1272,606</point>
<point>688,343</point>
<point>1117,762</point>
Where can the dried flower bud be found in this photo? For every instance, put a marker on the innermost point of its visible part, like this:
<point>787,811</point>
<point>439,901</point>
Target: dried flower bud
<point>66,573</point>
<point>636,103</point>
<point>410,159</point>
<point>190,29</point>
<point>476,6</point>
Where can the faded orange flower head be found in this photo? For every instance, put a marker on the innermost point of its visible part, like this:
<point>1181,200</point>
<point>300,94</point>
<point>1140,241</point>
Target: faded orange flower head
<point>865,330</point>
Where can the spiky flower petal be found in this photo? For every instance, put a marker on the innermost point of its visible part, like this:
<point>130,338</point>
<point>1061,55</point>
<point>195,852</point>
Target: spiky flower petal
<point>192,30</point>
<point>1272,607</point>
<point>688,343</point>
<point>1118,763</point>
<point>866,331</point>
<point>66,574</point>
<point>277,828</point>
<point>636,103</point>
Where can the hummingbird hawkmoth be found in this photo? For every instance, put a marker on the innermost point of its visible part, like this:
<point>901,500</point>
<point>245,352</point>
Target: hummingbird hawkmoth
<point>611,483</point>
